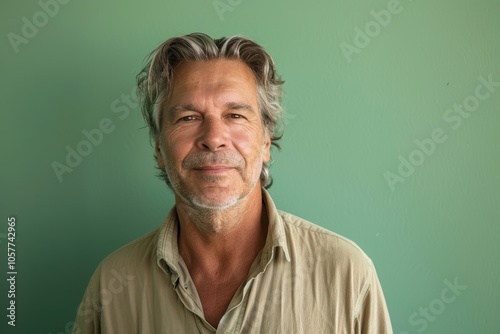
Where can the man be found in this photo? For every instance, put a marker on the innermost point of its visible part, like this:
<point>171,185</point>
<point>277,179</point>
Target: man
<point>226,260</point>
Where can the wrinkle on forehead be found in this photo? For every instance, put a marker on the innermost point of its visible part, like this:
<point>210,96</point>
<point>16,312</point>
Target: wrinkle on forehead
<point>211,82</point>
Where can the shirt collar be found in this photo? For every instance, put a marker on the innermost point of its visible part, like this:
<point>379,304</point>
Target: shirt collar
<point>276,237</point>
<point>168,251</point>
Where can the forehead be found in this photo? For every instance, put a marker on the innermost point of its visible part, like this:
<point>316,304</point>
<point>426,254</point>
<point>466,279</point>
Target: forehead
<point>212,76</point>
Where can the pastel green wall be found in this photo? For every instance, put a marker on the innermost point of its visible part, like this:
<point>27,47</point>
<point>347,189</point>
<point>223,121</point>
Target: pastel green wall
<point>347,123</point>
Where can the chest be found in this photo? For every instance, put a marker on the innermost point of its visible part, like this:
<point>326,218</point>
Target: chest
<point>215,297</point>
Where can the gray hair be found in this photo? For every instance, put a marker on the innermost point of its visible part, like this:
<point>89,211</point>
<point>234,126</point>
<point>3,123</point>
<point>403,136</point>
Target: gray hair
<point>154,81</point>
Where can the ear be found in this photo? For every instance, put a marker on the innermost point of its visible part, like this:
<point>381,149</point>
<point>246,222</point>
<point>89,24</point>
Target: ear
<point>267,148</point>
<point>159,155</point>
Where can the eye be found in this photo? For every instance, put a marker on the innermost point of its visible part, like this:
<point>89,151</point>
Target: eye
<point>189,118</point>
<point>236,116</point>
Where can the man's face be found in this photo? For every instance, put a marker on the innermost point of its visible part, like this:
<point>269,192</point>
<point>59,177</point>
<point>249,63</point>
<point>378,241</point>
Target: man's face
<point>212,142</point>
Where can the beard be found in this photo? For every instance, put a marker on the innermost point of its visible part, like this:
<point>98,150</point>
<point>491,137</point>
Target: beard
<point>192,161</point>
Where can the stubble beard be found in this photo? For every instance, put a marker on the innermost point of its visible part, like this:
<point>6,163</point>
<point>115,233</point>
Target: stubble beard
<point>211,217</point>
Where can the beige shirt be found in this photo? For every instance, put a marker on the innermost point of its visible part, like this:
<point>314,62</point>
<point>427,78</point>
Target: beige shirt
<point>306,279</point>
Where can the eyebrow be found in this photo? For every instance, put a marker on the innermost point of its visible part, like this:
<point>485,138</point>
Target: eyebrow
<point>192,107</point>
<point>238,106</point>
<point>183,107</point>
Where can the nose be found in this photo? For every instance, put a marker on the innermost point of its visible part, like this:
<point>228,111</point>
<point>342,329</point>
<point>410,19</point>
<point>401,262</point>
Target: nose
<point>213,134</point>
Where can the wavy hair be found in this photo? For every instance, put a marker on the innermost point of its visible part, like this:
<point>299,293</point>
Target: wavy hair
<point>154,81</point>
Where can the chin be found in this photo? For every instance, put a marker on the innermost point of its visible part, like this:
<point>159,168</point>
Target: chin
<point>214,198</point>
<point>215,205</point>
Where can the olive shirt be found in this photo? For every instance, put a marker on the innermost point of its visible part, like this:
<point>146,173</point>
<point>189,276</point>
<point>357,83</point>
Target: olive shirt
<point>306,279</point>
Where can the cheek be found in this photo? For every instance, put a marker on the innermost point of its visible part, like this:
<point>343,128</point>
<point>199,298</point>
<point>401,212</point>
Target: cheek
<point>175,148</point>
<point>249,144</point>
<point>175,155</point>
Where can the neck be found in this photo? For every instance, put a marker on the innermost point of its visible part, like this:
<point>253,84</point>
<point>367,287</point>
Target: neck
<point>217,243</point>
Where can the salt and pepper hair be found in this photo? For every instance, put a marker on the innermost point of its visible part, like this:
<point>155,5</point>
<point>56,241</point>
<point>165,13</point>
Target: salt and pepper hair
<point>155,81</point>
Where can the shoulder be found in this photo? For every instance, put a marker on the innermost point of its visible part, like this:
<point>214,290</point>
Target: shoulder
<point>307,239</point>
<point>331,259</point>
<point>131,256</point>
<point>116,274</point>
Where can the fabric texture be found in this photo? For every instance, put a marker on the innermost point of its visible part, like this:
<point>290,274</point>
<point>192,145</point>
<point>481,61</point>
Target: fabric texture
<point>306,279</point>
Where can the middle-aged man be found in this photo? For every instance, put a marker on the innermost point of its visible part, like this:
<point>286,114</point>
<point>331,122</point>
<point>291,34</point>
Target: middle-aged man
<point>226,260</point>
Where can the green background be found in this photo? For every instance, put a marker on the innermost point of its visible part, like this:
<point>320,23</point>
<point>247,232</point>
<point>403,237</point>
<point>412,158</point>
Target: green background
<point>347,124</point>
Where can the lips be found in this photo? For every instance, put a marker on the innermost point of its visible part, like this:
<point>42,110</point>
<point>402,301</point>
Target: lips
<point>214,169</point>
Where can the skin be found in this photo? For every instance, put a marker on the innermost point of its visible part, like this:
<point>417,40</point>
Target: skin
<point>212,146</point>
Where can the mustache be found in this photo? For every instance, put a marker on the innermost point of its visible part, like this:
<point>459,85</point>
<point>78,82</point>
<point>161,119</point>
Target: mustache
<point>200,159</point>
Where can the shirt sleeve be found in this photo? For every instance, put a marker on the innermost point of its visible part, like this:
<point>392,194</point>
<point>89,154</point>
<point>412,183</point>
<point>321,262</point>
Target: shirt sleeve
<point>372,316</point>
<point>88,318</point>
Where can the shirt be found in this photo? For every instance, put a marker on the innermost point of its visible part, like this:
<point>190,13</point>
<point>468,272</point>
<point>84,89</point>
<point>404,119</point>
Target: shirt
<point>306,279</point>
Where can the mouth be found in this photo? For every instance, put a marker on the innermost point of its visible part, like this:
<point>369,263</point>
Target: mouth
<point>213,169</point>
